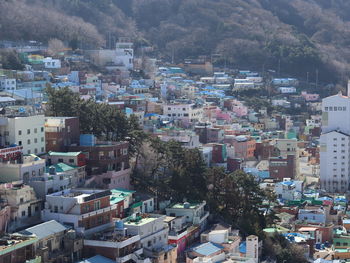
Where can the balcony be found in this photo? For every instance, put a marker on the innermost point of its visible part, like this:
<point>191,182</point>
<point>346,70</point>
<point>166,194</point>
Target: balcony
<point>198,220</point>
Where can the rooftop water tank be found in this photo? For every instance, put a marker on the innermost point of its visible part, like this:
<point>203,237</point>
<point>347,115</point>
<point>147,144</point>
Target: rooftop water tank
<point>119,224</point>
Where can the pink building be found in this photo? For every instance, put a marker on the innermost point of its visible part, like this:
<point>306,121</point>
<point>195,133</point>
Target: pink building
<point>236,107</point>
<point>310,97</point>
<point>244,145</point>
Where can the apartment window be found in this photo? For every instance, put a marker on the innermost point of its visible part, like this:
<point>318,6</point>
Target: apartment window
<point>71,160</point>
<point>28,131</point>
<point>19,143</point>
<point>35,130</point>
<point>35,150</point>
<point>97,205</point>
<point>326,108</point>
<point>28,141</point>
<point>21,200</point>
<point>28,151</point>
<point>330,108</point>
<point>169,108</point>
<point>183,109</point>
<point>149,243</point>
<point>42,149</point>
<point>42,139</point>
<point>19,132</point>
<point>35,140</point>
<point>334,139</point>
<point>60,160</point>
<point>343,139</point>
<point>23,213</point>
<point>335,108</point>
<point>42,129</point>
<point>344,108</point>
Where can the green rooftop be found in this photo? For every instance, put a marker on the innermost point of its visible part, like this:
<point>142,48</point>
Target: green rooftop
<point>118,192</point>
<point>61,167</point>
<point>115,199</point>
<point>67,154</point>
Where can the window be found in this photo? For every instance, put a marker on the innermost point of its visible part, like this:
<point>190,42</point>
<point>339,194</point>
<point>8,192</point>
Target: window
<point>344,108</point>
<point>28,131</point>
<point>71,160</point>
<point>326,108</point>
<point>42,149</point>
<point>35,150</point>
<point>35,130</point>
<point>60,160</point>
<point>330,108</point>
<point>149,243</point>
<point>35,140</point>
<point>28,151</point>
<point>42,129</point>
<point>23,213</point>
<point>42,139</point>
<point>19,143</point>
<point>19,132</point>
<point>335,108</point>
<point>97,205</point>
<point>21,200</point>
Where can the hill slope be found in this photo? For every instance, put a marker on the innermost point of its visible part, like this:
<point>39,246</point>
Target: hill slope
<point>300,35</point>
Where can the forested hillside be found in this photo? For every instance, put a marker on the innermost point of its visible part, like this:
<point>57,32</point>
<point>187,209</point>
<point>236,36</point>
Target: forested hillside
<point>300,35</point>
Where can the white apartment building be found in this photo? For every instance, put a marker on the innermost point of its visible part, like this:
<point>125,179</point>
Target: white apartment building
<point>124,55</point>
<point>182,111</point>
<point>195,213</point>
<point>51,63</point>
<point>57,178</point>
<point>152,230</point>
<point>27,131</point>
<point>7,84</point>
<point>334,144</point>
<point>29,167</point>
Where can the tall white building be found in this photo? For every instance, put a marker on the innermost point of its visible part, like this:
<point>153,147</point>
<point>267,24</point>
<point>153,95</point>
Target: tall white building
<point>334,143</point>
<point>125,54</point>
<point>7,84</point>
<point>24,131</point>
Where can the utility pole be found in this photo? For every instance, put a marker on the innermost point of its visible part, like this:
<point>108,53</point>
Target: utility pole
<point>279,67</point>
<point>307,78</point>
<point>316,79</point>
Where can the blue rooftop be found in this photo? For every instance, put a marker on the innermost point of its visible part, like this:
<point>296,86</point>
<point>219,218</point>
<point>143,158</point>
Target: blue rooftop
<point>243,247</point>
<point>207,249</point>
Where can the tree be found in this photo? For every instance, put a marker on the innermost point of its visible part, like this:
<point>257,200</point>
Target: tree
<point>104,121</point>
<point>62,102</point>
<point>278,248</point>
<point>55,46</point>
<point>10,60</point>
<point>238,198</point>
